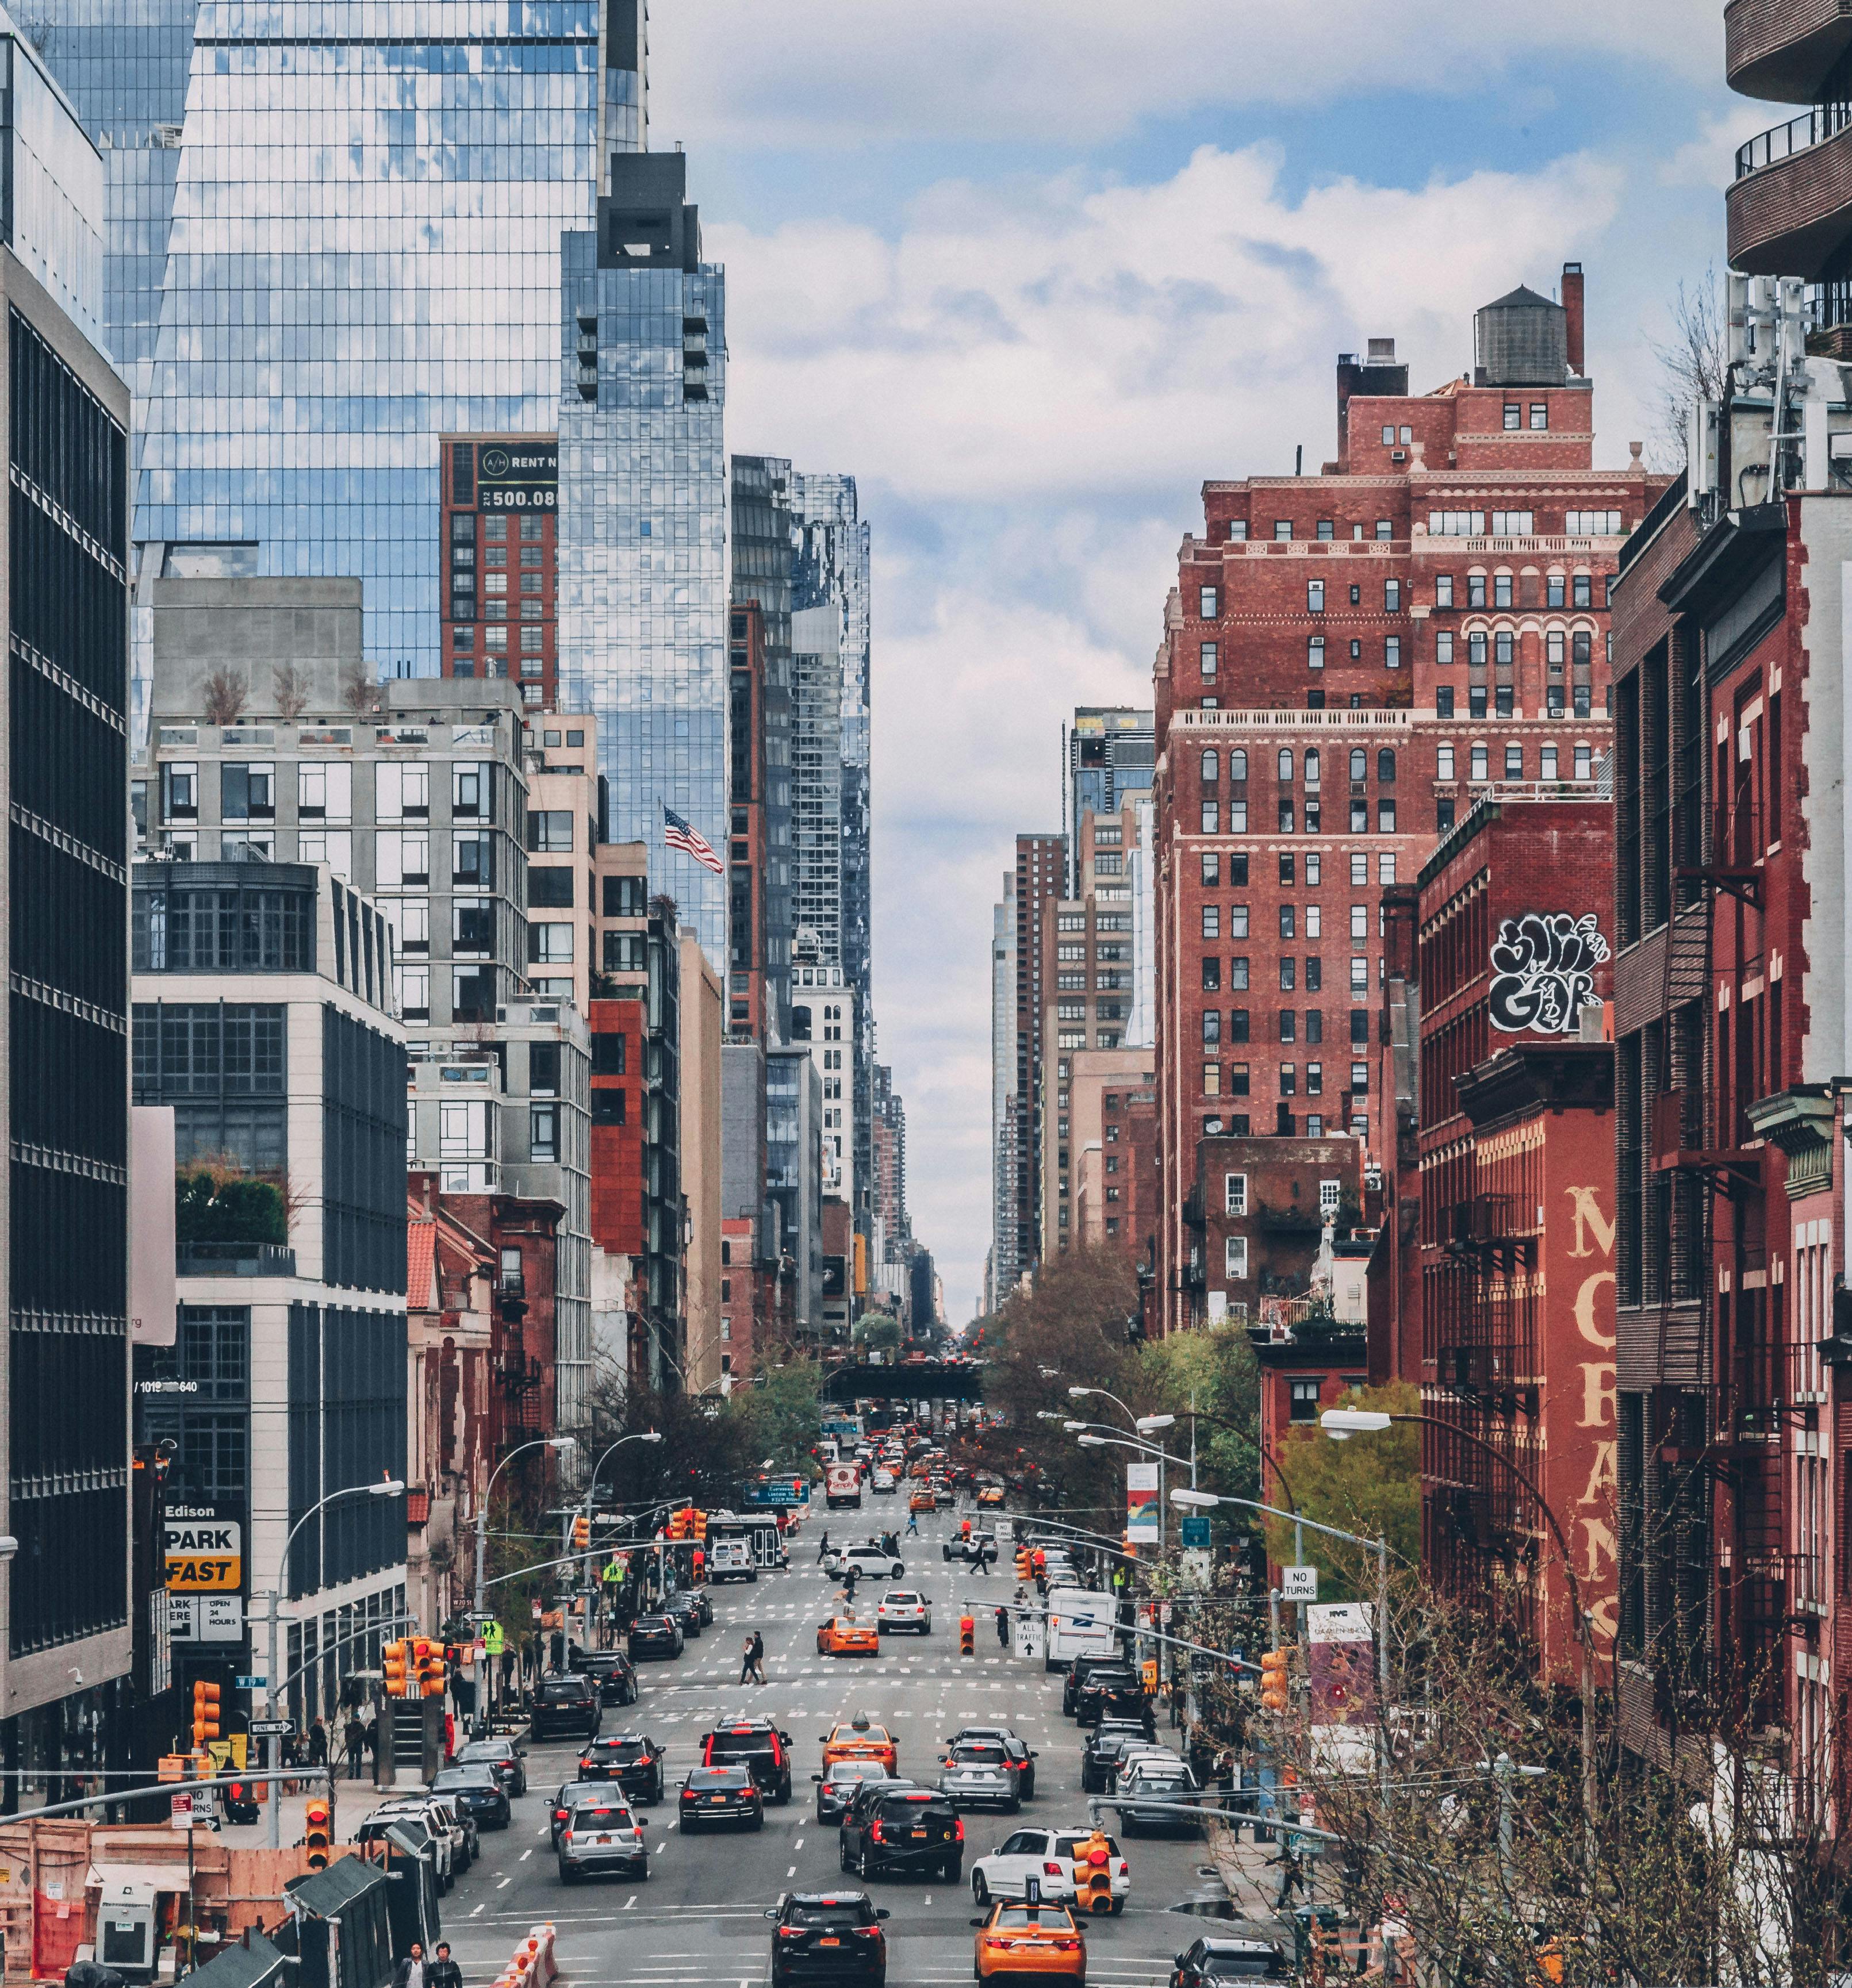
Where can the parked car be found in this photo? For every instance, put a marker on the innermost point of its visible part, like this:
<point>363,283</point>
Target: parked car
<point>684,1609</point>
<point>1099,1757</point>
<point>1083,1667</point>
<point>602,1835</point>
<point>441,1814</point>
<point>1244,1955</point>
<point>828,1936</point>
<point>506,1759</point>
<point>1148,1791</point>
<point>1116,1692</point>
<point>568,1704</point>
<point>477,1794</point>
<point>411,1832</point>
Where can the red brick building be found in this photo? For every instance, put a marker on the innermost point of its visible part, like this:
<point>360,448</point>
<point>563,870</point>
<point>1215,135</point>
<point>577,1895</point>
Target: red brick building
<point>1347,659</point>
<point>1516,1258</point>
<point>500,578</point>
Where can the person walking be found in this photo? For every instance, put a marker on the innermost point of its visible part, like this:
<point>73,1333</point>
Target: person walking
<point>913,1530</point>
<point>355,1737</point>
<point>822,1548</point>
<point>1003,1627</point>
<point>443,1972</point>
<point>746,1661</point>
<point>755,1657</point>
<point>411,1972</point>
<point>318,1742</point>
<point>373,1736</point>
<point>980,1559</point>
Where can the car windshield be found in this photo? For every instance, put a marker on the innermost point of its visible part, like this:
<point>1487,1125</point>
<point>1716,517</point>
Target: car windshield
<point>1045,1918</point>
<point>828,1912</point>
<point>624,1751</point>
<point>463,1777</point>
<point>600,1815</point>
<point>737,1746</point>
<point>487,1749</point>
<point>901,1595</point>
<point>561,1691</point>
<point>719,1777</point>
<point>857,1770</point>
<point>1264,1963</point>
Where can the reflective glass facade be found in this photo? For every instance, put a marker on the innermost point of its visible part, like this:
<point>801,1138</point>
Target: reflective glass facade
<point>333,239</point>
<point>642,598</point>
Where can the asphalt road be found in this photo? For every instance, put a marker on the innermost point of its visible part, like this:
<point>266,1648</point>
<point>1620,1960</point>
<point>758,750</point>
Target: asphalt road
<point>699,1918</point>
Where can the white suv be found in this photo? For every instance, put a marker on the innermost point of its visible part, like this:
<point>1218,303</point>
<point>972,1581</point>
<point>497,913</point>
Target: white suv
<point>901,1608</point>
<point>868,1561</point>
<point>1047,1855</point>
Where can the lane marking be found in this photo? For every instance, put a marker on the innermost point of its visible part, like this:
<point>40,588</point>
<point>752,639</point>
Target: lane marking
<point>503,1886</point>
<point>482,1907</point>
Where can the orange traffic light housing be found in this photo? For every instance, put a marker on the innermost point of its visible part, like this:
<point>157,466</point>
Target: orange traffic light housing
<point>431,1672</point>
<point>392,1661</point>
<point>318,1833</point>
<point>967,1637</point>
<point>1093,1874</point>
<point>205,1712</point>
<point>1273,1677</point>
<point>581,1533</point>
<point>1023,1564</point>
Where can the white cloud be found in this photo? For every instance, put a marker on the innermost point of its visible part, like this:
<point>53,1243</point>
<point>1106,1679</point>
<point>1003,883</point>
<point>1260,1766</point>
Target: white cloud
<point>1030,382</point>
<point>830,74</point>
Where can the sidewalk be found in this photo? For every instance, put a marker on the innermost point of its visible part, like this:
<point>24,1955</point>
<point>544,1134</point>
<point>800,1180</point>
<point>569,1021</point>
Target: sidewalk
<point>354,1802</point>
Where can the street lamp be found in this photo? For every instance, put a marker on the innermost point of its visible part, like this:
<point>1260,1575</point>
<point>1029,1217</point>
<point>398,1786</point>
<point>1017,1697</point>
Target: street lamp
<point>390,1487</point>
<point>641,1435</point>
<point>1092,1440</point>
<point>1106,1395</point>
<point>1341,1424</point>
<point>1145,1423</point>
<point>482,1511</point>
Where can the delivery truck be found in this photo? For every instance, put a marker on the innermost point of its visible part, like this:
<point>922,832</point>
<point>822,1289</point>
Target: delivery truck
<point>842,1486</point>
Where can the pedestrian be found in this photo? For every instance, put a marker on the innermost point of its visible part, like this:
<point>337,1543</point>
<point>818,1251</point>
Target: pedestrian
<point>443,1972</point>
<point>410,1973</point>
<point>746,1661</point>
<point>980,1559</point>
<point>372,1736</point>
<point>1003,1627</point>
<point>912,1531</point>
<point>356,1737</point>
<point>757,1651</point>
<point>822,1548</point>
<point>850,1573</point>
<point>318,1742</point>
<point>1292,1876</point>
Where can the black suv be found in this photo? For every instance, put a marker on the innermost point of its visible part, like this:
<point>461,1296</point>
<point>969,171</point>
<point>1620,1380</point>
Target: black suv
<point>632,1759</point>
<point>656,1636</point>
<point>1099,1757</point>
<point>1118,1693</point>
<point>684,1606</point>
<point>757,1744</point>
<point>1079,1671</point>
<point>612,1672</point>
<point>894,1826</point>
<point>568,1704</point>
<point>828,1936</point>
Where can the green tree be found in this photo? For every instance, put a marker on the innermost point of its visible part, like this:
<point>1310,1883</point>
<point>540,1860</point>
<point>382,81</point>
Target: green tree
<point>779,1417</point>
<point>1215,1371</point>
<point>1370,1485</point>
<point>877,1331</point>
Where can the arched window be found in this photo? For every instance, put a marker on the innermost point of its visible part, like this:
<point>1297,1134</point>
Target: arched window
<point>1311,767</point>
<point>1386,764</point>
<point>1237,765</point>
<point>1212,768</point>
<point>1285,766</point>
<point>1360,763</point>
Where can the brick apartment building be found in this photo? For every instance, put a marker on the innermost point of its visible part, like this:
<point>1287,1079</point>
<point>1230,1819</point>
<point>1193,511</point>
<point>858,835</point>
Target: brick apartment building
<point>1347,659</point>
<point>1515,1256</point>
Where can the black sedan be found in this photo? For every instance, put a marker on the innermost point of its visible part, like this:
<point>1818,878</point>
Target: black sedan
<point>633,1760</point>
<point>1212,1962</point>
<point>719,1794</point>
<point>828,1936</point>
<point>684,1607</point>
<point>477,1790</point>
<point>655,1636</point>
<point>503,1758</point>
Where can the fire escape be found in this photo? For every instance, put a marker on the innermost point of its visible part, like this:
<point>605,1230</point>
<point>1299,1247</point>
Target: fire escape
<point>517,1375</point>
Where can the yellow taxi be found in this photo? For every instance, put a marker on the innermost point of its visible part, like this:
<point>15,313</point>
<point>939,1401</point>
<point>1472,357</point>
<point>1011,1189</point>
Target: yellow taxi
<point>991,1494</point>
<point>921,1501</point>
<point>844,1636</point>
<point>859,1740</point>
<point>1014,1938</point>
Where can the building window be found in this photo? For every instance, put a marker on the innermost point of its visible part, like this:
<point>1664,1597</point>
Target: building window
<point>1212,921</point>
<point>1305,1399</point>
<point>549,831</point>
<point>1282,528</point>
<point>1208,657</point>
<point>1237,972</point>
<point>1539,413</point>
<point>543,1133</point>
<point>1315,597</point>
<point>1234,1257</point>
<point>1315,652</point>
<point>1207,600</point>
<point>1212,1080</point>
<point>1513,414</point>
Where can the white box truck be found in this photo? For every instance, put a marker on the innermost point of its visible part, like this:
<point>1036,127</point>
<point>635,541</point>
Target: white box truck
<point>842,1484</point>
<point>1082,1622</point>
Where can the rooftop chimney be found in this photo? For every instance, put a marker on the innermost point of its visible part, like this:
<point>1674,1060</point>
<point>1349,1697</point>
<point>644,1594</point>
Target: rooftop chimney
<point>1571,305</point>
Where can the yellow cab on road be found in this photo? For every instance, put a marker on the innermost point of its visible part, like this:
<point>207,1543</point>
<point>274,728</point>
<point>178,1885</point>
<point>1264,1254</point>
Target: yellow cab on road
<point>844,1636</point>
<point>859,1740</point>
<point>1018,1938</point>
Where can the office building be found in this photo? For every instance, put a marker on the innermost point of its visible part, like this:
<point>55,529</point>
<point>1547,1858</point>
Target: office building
<point>67,1651</point>
<point>1112,759</point>
<point>794,1174</point>
<point>643,627</point>
<point>498,530</point>
<point>567,857</point>
<point>753,996</point>
<point>1347,659</point>
<point>698,1051</point>
<point>263,1019</point>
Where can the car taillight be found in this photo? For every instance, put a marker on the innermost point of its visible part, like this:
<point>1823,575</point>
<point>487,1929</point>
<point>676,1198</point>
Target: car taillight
<point>566,1838</point>
<point>958,1828</point>
<point>868,1932</point>
<point>1052,1870</point>
<point>791,1932</point>
<point>874,1833</point>
<point>1125,1869</point>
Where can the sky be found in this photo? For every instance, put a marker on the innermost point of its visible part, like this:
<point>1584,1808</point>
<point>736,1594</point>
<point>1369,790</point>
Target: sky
<point>1032,272</point>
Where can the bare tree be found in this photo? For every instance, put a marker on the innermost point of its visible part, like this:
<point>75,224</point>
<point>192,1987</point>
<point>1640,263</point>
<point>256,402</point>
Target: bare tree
<point>1693,358</point>
<point>358,692</point>
<point>224,696</point>
<point>289,686</point>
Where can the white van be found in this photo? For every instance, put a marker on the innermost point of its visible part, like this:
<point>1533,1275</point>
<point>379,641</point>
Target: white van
<point>1082,1622</point>
<point>731,1560</point>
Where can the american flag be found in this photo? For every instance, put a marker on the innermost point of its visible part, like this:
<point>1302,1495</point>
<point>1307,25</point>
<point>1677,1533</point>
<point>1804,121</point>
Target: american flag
<point>678,835</point>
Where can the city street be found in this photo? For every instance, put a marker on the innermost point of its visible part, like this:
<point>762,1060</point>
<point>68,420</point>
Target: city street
<point>700,1918</point>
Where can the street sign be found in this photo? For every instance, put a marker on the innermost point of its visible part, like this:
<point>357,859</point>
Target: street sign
<point>1299,1583</point>
<point>249,1683</point>
<point>1196,1531</point>
<point>263,1728</point>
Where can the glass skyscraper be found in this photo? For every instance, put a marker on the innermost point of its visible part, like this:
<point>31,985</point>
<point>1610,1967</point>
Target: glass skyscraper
<point>642,601</point>
<point>333,236</point>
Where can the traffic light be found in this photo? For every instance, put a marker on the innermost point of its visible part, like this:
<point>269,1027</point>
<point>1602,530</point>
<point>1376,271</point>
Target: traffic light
<point>392,1660</point>
<point>318,1833</point>
<point>967,1637</point>
<point>1023,1564</point>
<point>205,1712</point>
<point>678,1525</point>
<point>1273,1677</point>
<point>700,1519</point>
<point>431,1672</point>
<point>1093,1874</point>
<point>581,1533</point>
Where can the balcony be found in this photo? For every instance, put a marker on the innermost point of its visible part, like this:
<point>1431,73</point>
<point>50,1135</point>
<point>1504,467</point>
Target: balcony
<point>1790,211</point>
<point>1778,50</point>
<point>234,1259</point>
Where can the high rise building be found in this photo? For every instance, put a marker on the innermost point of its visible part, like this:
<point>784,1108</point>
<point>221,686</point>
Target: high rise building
<point>643,629</point>
<point>1112,757</point>
<point>499,532</point>
<point>1003,1266</point>
<point>1348,660</point>
<point>298,433</point>
<point>63,592</point>
<point>1018,1073</point>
